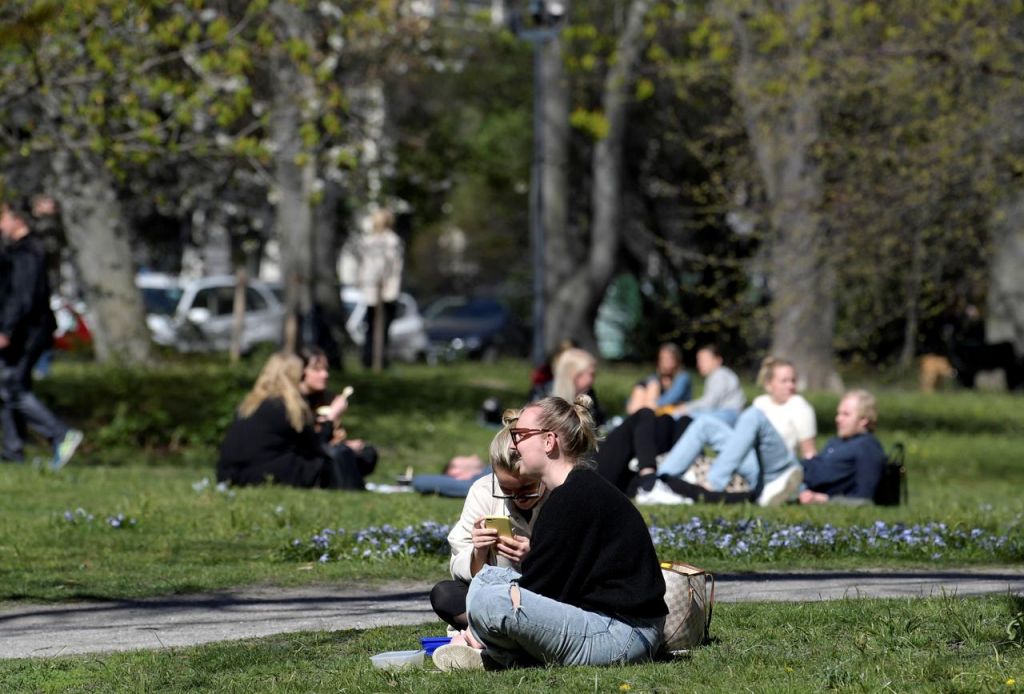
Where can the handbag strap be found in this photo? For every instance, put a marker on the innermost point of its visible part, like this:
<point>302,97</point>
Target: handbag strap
<point>691,570</point>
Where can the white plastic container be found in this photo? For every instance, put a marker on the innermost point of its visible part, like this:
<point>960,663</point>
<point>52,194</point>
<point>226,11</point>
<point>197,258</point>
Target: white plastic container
<point>398,660</point>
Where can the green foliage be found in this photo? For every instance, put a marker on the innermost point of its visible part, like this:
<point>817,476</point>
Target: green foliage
<point>593,123</point>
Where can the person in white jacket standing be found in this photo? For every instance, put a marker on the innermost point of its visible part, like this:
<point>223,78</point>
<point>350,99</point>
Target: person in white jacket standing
<point>501,493</point>
<point>381,258</point>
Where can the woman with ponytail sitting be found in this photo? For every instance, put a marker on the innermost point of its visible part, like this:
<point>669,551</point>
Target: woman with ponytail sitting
<point>591,590</point>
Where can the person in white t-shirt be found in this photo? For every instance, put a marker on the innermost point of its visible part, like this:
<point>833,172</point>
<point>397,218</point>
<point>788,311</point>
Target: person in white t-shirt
<point>788,411</point>
<point>765,447</point>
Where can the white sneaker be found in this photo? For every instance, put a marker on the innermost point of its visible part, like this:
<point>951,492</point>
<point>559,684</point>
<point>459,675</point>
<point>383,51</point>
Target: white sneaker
<point>690,475</point>
<point>661,493</point>
<point>782,488</point>
<point>66,448</point>
<point>458,656</point>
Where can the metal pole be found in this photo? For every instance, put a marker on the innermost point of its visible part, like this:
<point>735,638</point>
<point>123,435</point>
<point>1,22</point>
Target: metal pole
<point>537,207</point>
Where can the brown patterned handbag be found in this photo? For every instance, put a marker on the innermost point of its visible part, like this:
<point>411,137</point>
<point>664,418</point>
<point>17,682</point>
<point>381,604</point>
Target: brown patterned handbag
<point>688,623</point>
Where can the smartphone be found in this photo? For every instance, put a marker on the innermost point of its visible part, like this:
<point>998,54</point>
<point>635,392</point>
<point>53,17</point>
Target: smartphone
<point>500,523</point>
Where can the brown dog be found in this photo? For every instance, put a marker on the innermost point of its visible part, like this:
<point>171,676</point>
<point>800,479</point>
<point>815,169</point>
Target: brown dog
<point>934,369</point>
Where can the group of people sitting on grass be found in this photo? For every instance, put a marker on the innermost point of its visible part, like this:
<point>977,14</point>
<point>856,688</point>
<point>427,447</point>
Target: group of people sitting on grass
<point>577,581</point>
<point>764,454</point>
<point>287,430</point>
<point>574,577</point>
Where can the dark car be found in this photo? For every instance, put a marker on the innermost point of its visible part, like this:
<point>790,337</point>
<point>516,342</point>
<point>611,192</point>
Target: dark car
<point>474,327</point>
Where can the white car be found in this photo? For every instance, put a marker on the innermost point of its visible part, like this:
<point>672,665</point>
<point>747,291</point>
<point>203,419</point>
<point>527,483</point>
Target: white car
<point>407,340</point>
<point>196,315</point>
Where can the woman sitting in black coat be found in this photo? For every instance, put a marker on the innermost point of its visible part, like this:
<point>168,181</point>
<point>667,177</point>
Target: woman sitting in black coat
<point>273,439</point>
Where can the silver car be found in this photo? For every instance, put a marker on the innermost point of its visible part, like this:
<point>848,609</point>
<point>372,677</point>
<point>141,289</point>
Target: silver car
<point>407,340</point>
<point>196,315</point>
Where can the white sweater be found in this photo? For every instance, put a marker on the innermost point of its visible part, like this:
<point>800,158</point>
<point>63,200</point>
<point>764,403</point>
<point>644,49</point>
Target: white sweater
<point>479,502</point>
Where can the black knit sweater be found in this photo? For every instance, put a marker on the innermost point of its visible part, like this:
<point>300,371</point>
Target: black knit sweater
<point>591,548</point>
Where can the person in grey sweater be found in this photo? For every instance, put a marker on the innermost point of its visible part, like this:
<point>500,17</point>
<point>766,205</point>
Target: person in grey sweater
<point>723,397</point>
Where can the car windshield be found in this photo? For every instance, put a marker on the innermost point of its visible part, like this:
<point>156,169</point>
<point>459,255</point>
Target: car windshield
<point>161,300</point>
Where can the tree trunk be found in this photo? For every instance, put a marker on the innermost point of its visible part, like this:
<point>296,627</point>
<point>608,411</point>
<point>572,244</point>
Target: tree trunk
<point>328,237</point>
<point>574,304</point>
<point>1005,311</point>
<point>97,233</point>
<point>294,172</point>
<point>238,316</point>
<point>783,130</point>
<point>563,253</point>
<point>912,297</point>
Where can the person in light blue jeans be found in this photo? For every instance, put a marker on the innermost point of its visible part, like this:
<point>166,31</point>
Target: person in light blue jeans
<point>753,449</point>
<point>542,630</point>
<point>590,590</point>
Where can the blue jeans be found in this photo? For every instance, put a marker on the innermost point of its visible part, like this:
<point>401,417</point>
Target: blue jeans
<point>727,416</point>
<point>20,401</point>
<point>443,485</point>
<point>543,630</point>
<point>753,449</point>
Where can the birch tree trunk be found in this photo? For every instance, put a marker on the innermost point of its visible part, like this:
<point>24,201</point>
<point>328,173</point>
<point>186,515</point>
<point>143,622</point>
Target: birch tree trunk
<point>294,171</point>
<point>783,130</point>
<point>97,233</point>
<point>1005,311</point>
<point>573,306</point>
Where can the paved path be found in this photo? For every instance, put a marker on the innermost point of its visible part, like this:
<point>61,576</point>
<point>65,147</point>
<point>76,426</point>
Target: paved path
<point>122,625</point>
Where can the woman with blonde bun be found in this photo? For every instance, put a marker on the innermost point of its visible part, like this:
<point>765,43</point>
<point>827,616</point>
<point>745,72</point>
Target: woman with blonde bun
<point>591,590</point>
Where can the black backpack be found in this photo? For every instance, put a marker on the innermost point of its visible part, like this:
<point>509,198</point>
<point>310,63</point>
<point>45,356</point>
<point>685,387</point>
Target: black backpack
<point>892,487</point>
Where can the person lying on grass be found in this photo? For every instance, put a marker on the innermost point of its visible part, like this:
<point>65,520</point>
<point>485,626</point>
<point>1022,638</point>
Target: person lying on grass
<point>456,478</point>
<point>591,590</point>
<point>506,493</point>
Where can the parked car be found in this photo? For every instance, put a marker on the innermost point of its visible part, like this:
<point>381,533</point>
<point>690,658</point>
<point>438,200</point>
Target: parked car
<point>474,327</point>
<point>72,331</point>
<point>407,340</point>
<point>196,315</point>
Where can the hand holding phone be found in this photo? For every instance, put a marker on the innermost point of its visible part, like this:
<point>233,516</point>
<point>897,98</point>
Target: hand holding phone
<point>499,523</point>
<point>513,548</point>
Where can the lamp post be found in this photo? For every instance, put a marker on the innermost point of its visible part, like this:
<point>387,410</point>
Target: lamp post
<point>541,23</point>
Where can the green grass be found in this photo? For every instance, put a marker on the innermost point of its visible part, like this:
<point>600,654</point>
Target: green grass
<point>963,453</point>
<point>943,644</point>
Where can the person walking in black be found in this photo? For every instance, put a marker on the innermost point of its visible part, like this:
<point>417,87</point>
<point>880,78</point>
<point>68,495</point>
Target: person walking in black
<point>26,331</point>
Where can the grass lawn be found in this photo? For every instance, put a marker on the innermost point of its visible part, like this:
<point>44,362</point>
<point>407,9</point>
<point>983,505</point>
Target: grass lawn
<point>929,645</point>
<point>176,533</point>
<point>136,514</point>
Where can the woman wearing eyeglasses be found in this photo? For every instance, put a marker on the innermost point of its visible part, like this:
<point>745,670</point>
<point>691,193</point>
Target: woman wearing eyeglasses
<point>591,590</point>
<point>502,493</point>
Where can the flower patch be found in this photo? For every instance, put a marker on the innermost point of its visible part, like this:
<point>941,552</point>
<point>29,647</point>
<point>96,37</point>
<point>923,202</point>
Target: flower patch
<point>750,538</point>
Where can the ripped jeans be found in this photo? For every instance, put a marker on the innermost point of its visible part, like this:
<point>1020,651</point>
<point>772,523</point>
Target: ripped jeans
<point>542,630</point>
